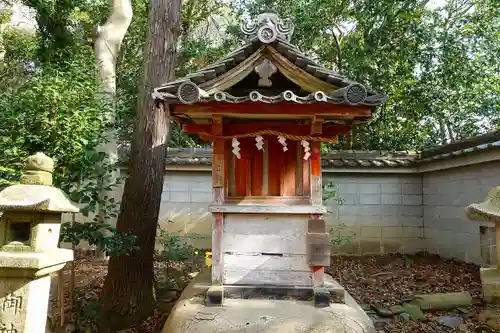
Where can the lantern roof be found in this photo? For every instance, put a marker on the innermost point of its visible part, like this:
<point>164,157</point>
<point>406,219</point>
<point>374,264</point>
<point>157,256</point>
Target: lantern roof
<point>267,69</point>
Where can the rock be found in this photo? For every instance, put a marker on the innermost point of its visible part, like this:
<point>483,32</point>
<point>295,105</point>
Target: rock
<point>397,309</point>
<point>443,301</point>
<point>366,307</point>
<point>462,328</point>
<point>404,317</point>
<point>450,321</point>
<point>463,310</point>
<point>383,311</point>
<point>379,320</point>
<point>413,309</point>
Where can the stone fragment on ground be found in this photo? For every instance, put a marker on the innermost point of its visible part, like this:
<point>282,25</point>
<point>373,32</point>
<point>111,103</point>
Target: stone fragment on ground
<point>404,316</point>
<point>382,310</point>
<point>443,301</point>
<point>413,309</point>
<point>397,309</point>
<point>450,321</point>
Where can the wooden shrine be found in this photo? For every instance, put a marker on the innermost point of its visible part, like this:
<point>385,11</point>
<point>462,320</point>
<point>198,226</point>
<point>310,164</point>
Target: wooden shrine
<point>267,107</point>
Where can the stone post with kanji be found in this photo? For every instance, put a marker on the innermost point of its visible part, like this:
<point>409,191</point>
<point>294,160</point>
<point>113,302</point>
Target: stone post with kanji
<point>30,222</point>
<point>489,211</point>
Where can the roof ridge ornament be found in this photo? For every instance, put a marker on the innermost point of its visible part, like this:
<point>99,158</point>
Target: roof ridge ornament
<point>267,27</point>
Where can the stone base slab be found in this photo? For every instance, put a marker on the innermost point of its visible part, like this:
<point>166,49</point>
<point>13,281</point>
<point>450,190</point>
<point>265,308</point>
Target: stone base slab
<point>331,292</point>
<point>191,314</point>
<point>490,281</point>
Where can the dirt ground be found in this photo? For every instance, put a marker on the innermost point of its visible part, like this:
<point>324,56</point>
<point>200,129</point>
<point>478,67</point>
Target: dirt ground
<point>390,279</point>
<point>371,280</point>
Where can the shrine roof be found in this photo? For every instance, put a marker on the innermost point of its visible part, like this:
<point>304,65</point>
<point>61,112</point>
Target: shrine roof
<point>268,53</point>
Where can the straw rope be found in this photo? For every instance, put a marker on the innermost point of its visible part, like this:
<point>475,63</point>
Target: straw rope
<point>270,132</point>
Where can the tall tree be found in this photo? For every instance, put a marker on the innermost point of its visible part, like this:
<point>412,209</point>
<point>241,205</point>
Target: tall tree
<point>129,286</point>
<point>109,38</point>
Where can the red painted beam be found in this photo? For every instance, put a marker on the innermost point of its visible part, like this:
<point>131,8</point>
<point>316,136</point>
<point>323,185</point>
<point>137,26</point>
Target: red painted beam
<point>329,130</point>
<point>332,110</point>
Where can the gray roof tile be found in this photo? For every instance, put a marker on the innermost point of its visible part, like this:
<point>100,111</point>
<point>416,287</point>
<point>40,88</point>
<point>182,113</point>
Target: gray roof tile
<point>353,158</point>
<point>287,50</point>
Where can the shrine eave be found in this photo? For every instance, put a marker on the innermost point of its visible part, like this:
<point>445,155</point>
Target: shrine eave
<point>314,83</point>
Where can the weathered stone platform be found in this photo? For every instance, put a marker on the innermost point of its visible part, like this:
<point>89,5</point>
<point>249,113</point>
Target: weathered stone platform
<point>191,315</point>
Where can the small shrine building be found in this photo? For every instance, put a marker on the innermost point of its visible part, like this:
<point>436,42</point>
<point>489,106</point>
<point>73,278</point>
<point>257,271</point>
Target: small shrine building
<point>267,107</point>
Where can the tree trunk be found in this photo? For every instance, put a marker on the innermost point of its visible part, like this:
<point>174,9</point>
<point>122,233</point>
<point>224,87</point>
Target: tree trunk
<point>2,49</point>
<point>109,38</point>
<point>128,293</point>
<point>3,27</point>
<point>450,132</point>
<point>443,132</point>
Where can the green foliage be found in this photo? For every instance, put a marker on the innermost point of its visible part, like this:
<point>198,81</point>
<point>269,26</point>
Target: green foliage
<point>175,248</point>
<point>337,236</point>
<point>439,66</point>
<point>86,312</point>
<point>175,251</point>
<point>61,25</point>
<point>57,112</point>
<point>330,191</point>
<point>98,234</point>
<point>18,44</point>
<point>5,16</point>
<point>57,108</point>
<point>16,67</point>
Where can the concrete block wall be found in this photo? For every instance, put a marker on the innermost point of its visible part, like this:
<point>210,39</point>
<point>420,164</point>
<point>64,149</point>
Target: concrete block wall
<point>446,193</point>
<point>184,205</point>
<point>381,213</point>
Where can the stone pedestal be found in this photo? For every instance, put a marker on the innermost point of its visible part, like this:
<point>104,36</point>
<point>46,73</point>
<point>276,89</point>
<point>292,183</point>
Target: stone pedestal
<point>489,210</point>
<point>30,223</point>
<point>490,281</point>
<point>25,288</point>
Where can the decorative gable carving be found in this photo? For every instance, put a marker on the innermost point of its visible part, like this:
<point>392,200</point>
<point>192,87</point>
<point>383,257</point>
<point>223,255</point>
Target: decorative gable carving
<point>267,27</point>
<point>265,69</point>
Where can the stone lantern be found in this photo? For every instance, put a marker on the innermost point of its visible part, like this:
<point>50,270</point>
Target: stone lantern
<point>489,210</point>
<point>30,222</point>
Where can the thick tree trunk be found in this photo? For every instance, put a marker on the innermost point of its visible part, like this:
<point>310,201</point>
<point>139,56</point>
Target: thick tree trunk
<point>109,38</point>
<point>128,288</point>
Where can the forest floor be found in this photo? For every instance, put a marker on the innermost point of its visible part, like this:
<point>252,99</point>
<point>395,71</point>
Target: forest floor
<point>371,280</point>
